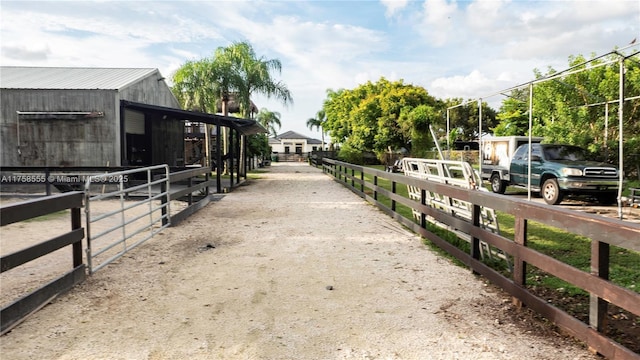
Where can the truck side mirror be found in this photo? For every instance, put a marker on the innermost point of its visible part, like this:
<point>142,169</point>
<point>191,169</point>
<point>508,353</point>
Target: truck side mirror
<point>536,158</point>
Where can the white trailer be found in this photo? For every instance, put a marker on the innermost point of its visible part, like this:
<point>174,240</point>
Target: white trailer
<point>498,150</point>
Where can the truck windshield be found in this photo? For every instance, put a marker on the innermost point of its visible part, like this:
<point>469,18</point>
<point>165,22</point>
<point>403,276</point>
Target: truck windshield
<point>565,152</point>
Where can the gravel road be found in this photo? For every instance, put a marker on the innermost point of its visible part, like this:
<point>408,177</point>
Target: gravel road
<point>288,266</point>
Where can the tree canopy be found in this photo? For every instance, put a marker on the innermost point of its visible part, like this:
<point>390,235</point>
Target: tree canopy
<point>581,108</point>
<point>463,119</point>
<point>376,116</point>
<point>269,120</point>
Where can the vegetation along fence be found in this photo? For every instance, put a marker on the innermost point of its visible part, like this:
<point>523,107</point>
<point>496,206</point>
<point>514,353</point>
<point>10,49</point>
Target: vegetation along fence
<point>606,241</point>
<point>13,313</point>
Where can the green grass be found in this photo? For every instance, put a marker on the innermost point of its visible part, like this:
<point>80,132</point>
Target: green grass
<point>569,248</point>
<point>574,250</point>
<point>255,174</point>
<point>626,191</point>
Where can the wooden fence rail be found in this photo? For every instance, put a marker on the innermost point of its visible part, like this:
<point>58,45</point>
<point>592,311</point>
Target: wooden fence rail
<point>198,180</point>
<point>13,313</point>
<point>603,233</point>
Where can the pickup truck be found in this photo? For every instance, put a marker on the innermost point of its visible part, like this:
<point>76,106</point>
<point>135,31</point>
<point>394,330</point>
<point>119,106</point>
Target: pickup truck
<point>557,171</point>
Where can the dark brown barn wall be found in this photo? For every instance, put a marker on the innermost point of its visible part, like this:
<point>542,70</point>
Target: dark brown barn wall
<point>167,141</point>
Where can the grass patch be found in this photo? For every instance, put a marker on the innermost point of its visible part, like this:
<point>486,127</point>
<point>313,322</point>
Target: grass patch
<point>569,248</point>
<point>255,174</point>
<point>574,250</point>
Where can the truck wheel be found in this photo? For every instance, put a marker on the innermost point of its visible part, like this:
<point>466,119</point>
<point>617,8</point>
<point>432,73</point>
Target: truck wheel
<point>497,185</point>
<point>551,192</point>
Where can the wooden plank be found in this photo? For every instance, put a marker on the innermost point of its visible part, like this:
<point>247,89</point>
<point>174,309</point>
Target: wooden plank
<point>18,258</point>
<point>185,213</point>
<point>602,231</point>
<point>186,174</point>
<point>16,312</point>
<point>30,209</point>
<point>184,192</point>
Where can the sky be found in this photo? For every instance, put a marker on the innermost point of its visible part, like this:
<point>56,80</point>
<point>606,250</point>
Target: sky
<point>454,49</point>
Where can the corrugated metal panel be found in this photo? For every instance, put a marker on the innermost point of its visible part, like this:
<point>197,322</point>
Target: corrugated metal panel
<point>57,78</point>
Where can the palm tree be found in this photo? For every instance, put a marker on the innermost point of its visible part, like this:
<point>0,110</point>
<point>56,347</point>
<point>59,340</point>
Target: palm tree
<point>236,70</point>
<point>242,72</point>
<point>194,89</point>
<point>193,86</point>
<point>269,119</point>
<point>318,122</point>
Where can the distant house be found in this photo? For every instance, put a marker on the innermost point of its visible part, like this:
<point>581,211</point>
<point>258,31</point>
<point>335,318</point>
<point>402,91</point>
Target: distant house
<point>55,116</point>
<point>292,142</point>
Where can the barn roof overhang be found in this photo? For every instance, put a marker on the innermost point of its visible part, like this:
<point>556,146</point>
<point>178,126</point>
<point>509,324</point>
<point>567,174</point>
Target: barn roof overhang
<point>243,126</point>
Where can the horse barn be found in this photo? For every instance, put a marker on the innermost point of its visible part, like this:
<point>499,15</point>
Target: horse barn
<point>95,117</point>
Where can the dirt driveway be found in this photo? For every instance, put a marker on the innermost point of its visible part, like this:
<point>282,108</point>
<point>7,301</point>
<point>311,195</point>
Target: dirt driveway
<point>289,266</point>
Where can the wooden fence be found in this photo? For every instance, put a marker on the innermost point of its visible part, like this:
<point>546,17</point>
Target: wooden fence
<point>12,314</point>
<point>197,180</point>
<point>603,233</point>
<point>191,186</point>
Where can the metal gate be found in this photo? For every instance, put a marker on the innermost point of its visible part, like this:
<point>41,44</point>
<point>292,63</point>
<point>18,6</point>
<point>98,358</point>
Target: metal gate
<point>122,210</point>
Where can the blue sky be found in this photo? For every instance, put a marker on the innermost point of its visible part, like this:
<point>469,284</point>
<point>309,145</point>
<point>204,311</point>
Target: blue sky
<point>465,49</point>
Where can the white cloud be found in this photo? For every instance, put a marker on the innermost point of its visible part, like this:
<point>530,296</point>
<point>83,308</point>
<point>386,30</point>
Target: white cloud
<point>460,85</point>
<point>438,21</point>
<point>393,6</point>
<point>465,49</point>
<point>482,15</point>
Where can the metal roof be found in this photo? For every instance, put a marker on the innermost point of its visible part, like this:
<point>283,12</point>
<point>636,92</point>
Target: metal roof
<point>71,78</point>
<point>292,135</point>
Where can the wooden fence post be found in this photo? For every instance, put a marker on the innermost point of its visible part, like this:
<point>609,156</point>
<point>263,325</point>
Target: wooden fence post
<point>76,223</point>
<point>519,266</point>
<point>598,307</point>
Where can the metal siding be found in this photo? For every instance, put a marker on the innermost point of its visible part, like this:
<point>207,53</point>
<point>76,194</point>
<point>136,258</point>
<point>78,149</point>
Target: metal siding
<point>48,142</point>
<point>150,91</point>
<point>91,142</point>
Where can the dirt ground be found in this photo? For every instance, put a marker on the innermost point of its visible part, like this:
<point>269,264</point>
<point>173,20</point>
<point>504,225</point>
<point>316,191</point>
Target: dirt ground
<point>288,266</point>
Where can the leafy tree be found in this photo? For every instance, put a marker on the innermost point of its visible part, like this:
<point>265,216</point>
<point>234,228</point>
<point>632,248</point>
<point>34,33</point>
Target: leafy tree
<point>415,123</point>
<point>513,116</point>
<point>196,87</point>
<point>580,107</point>
<point>376,116</point>
<point>258,145</point>
<point>241,71</point>
<point>463,119</point>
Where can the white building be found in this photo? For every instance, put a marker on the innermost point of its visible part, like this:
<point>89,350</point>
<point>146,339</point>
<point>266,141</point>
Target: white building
<point>293,145</point>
